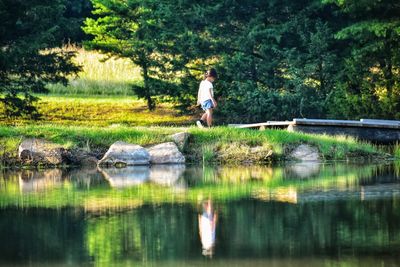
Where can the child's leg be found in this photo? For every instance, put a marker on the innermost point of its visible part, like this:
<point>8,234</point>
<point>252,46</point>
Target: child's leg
<point>204,117</point>
<point>209,116</point>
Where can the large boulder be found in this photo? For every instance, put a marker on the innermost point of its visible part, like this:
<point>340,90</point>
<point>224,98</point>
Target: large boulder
<point>305,152</point>
<point>180,139</point>
<point>122,153</point>
<point>165,153</point>
<point>39,151</point>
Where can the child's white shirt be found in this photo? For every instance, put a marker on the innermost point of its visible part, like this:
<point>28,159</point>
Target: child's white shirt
<point>206,91</point>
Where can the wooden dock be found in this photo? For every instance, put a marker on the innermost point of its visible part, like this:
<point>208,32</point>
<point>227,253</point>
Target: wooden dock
<point>377,131</point>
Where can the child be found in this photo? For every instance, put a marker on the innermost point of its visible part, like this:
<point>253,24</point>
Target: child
<point>205,98</point>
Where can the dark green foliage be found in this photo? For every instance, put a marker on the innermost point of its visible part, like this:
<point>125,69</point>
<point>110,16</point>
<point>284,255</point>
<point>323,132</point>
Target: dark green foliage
<point>27,28</point>
<point>371,73</point>
<point>277,59</point>
<point>76,11</point>
<point>285,59</point>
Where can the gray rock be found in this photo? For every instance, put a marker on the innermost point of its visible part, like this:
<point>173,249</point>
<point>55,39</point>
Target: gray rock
<point>181,139</point>
<point>122,153</point>
<point>39,151</point>
<point>84,158</point>
<point>305,153</point>
<point>165,153</point>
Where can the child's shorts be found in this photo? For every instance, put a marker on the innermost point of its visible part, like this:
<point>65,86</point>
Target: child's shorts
<point>207,104</point>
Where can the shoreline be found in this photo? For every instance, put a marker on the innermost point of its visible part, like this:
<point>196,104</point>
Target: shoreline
<point>219,145</point>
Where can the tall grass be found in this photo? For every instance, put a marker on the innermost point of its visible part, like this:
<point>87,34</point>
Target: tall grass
<point>396,150</point>
<point>114,76</point>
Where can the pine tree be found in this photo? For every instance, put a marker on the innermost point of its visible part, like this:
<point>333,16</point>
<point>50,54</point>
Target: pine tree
<point>140,31</point>
<point>372,67</point>
<point>28,28</point>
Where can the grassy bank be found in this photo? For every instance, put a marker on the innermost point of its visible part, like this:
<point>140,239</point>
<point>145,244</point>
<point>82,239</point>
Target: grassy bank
<point>220,144</point>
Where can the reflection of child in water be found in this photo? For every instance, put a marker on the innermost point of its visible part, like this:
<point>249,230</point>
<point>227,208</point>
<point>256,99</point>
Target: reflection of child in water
<point>207,225</point>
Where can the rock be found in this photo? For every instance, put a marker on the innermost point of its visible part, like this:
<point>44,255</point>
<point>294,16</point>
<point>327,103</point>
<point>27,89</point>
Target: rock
<point>39,151</point>
<point>88,161</point>
<point>165,153</point>
<point>126,177</point>
<point>122,153</point>
<point>181,139</point>
<point>166,174</point>
<point>305,153</point>
<point>84,158</point>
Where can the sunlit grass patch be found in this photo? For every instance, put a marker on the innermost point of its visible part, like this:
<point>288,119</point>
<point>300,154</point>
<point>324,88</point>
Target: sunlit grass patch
<point>114,76</point>
<point>102,111</point>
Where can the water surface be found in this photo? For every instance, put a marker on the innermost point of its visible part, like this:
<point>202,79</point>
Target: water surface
<point>296,215</point>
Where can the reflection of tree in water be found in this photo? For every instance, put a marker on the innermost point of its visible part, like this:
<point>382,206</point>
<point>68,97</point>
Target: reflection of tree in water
<point>34,236</point>
<point>147,233</point>
<point>250,229</point>
<point>247,228</point>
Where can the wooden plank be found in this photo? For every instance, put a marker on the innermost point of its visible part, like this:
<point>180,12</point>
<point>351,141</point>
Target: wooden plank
<point>390,122</point>
<point>363,123</point>
<point>262,124</point>
<point>327,122</point>
<point>344,123</point>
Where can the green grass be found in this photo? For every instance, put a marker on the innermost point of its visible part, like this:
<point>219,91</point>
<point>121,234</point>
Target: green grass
<point>114,76</point>
<point>219,144</point>
<point>396,150</point>
<point>235,144</point>
<point>102,111</point>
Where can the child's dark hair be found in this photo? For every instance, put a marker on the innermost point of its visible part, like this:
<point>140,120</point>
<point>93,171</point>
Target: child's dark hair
<point>211,73</point>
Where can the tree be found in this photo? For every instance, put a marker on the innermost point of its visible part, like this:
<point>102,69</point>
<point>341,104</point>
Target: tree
<point>28,29</point>
<point>277,58</point>
<point>76,11</point>
<point>372,71</point>
<point>137,30</point>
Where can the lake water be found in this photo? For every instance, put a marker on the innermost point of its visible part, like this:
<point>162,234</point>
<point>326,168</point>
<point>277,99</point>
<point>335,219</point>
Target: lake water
<point>295,215</point>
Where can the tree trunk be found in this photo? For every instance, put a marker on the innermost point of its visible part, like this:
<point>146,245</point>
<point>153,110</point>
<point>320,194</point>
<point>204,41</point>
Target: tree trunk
<point>388,75</point>
<point>151,105</point>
